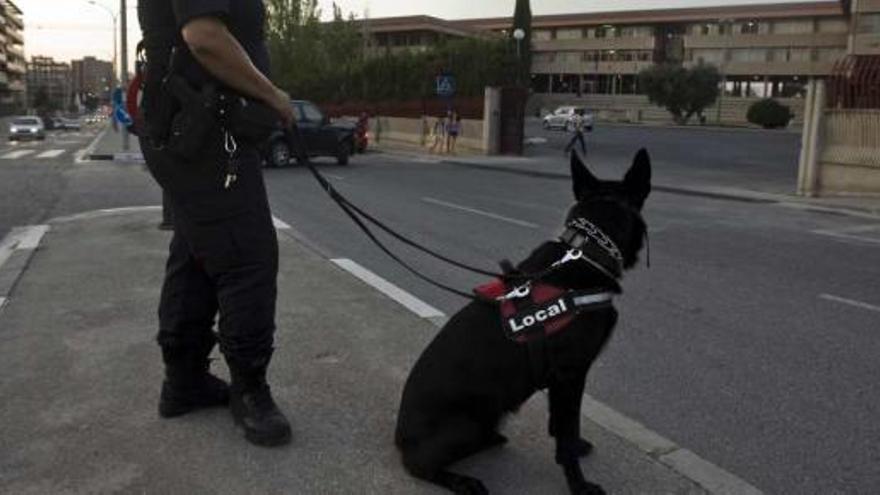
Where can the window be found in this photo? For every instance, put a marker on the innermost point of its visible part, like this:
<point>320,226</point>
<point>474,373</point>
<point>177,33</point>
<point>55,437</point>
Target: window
<point>707,56</point>
<point>569,34</point>
<point>591,56</point>
<point>833,26</point>
<point>310,113</point>
<point>542,35</point>
<point>751,27</point>
<point>793,27</point>
<point>800,54</point>
<point>868,24</point>
<point>748,55</point>
<point>830,54</point>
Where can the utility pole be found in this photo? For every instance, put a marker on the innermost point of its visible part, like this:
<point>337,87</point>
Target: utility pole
<point>123,14</point>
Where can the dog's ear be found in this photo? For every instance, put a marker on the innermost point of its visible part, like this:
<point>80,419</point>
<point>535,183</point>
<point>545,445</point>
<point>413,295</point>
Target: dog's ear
<point>637,182</point>
<point>583,180</point>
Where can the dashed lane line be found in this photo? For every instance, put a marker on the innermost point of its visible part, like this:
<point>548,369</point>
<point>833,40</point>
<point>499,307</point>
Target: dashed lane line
<point>16,154</point>
<point>850,302</point>
<point>483,213</point>
<point>51,154</point>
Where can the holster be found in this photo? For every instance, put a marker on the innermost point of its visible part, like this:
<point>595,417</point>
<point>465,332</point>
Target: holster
<point>196,120</point>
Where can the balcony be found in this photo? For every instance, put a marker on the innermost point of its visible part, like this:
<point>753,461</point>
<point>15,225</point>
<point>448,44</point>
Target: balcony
<point>14,36</point>
<point>819,40</point>
<point>585,44</point>
<point>798,68</point>
<point>16,68</point>
<point>17,85</point>
<point>581,67</point>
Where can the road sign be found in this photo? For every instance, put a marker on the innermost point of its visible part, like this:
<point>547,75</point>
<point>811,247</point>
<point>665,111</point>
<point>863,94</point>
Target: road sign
<point>445,86</point>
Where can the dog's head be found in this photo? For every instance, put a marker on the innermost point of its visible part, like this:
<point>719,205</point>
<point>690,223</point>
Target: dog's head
<point>614,206</point>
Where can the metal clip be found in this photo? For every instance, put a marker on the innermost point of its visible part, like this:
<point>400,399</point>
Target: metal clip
<point>229,143</point>
<point>570,255</point>
<point>518,293</point>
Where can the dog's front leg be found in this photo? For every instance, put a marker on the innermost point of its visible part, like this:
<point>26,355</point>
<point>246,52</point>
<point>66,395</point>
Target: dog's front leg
<point>565,425</point>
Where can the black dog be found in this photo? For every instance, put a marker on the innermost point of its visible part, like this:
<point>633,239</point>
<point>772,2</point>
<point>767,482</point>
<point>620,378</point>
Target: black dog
<point>481,366</point>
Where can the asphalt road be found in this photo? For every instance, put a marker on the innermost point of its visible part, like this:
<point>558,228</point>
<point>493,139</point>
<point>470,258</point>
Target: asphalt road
<point>765,161</point>
<point>40,180</point>
<point>751,340</point>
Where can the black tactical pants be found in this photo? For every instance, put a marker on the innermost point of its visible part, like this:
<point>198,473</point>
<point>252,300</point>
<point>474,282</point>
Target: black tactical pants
<point>223,255</point>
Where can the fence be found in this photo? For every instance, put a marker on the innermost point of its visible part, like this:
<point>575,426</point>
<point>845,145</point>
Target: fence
<point>468,108</point>
<point>855,82</point>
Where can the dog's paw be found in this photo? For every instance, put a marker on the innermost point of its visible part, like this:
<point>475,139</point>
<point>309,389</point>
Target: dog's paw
<point>587,488</point>
<point>495,439</point>
<point>469,486</point>
<point>582,448</point>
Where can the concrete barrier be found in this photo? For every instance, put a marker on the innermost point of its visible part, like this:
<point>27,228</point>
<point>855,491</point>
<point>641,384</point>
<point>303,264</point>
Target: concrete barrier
<point>849,162</point>
<point>417,131</point>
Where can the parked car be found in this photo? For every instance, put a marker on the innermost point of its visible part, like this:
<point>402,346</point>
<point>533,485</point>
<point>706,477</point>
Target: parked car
<point>322,137</point>
<point>70,124</point>
<point>564,118</point>
<point>27,127</point>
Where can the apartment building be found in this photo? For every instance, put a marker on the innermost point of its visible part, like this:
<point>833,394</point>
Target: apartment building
<point>12,62</point>
<point>865,38</point>
<point>393,35</point>
<point>761,50</point>
<point>44,74</point>
<point>92,78</point>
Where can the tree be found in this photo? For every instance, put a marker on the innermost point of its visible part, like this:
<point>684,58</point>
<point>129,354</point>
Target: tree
<point>683,92</point>
<point>522,19</point>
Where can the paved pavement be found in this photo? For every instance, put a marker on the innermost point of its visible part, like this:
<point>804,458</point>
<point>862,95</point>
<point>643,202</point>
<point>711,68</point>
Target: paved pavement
<point>80,374</point>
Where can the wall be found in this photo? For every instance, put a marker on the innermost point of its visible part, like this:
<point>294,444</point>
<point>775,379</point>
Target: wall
<point>637,108</point>
<point>849,161</point>
<point>414,132</point>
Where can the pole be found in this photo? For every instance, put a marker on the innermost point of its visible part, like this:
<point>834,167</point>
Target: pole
<point>124,77</point>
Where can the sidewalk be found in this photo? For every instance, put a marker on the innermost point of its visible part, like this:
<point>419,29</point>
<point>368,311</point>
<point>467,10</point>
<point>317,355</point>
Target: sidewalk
<point>80,379</point>
<point>108,146</point>
<point>548,167</point>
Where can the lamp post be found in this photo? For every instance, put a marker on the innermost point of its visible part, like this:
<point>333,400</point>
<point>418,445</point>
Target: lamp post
<point>115,19</point>
<point>519,35</point>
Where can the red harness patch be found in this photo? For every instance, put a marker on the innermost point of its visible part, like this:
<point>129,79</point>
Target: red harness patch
<point>541,312</point>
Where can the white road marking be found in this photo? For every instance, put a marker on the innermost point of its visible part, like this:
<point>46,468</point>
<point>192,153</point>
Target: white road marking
<point>404,298</point>
<point>850,302</point>
<point>21,238</point>
<point>16,154</point>
<point>51,154</point>
<point>851,233</point>
<point>280,224</point>
<point>486,214</point>
<point>82,155</point>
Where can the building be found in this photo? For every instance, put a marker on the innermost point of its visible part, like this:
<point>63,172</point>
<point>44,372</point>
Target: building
<point>12,62</point>
<point>762,50</point>
<point>865,38</point>
<point>92,78</point>
<point>393,35</point>
<point>47,77</point>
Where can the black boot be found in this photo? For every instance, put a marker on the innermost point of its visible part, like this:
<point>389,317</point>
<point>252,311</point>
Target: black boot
<point>188,384</point>
<point>252,405</point>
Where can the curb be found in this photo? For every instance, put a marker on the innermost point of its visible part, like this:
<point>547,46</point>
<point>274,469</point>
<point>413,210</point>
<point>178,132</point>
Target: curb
<point>16,251</point>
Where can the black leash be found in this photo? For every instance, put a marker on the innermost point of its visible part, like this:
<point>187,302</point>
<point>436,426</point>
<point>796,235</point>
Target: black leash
<point>297,143</point>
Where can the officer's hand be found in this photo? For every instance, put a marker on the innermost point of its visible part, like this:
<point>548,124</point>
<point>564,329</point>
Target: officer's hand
<point>280,101</point>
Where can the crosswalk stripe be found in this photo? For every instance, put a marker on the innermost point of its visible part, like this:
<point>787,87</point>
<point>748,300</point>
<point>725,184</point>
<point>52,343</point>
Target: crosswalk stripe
<point>51,154</point>
<point>16,154</point>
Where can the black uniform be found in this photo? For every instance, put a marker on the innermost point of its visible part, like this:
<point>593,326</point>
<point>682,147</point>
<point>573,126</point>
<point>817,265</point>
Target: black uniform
<point>224,253</point>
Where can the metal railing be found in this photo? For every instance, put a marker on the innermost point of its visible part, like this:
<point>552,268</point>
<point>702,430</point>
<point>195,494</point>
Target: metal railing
<point>855,83</point>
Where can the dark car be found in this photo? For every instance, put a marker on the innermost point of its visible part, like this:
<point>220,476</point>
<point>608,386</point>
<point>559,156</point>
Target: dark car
<point>322,137</point>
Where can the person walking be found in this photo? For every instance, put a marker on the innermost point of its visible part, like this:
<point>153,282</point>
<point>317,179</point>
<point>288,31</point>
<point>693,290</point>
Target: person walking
<point>223,256</point>
<point>453,132</point>
<point>438,134</point>
<point>577,125</point>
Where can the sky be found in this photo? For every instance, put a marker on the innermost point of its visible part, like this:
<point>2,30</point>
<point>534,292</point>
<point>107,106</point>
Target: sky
<point>71,29</point>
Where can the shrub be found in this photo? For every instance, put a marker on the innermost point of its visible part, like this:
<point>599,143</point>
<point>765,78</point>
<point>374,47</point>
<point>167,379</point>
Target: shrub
<point>769,114</point>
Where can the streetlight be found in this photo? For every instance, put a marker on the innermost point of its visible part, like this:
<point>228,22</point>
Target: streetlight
<point>519,34</point>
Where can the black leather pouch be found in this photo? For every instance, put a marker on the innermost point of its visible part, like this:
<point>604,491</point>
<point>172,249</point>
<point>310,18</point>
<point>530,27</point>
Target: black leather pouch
<point>250,120</point>
<point>197,120</point>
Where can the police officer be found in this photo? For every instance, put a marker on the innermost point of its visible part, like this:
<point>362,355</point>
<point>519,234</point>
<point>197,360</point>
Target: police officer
<point>224,251</point>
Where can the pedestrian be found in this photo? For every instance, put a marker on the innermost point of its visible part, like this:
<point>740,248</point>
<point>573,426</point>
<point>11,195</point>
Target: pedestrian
<point>453,132</point>
<point>223,256</point>
<point>577,125</point>
<point>438,134</point>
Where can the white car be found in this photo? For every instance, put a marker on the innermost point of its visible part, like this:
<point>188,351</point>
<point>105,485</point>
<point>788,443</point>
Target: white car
<point>27,127</point>
<point>566,117</point>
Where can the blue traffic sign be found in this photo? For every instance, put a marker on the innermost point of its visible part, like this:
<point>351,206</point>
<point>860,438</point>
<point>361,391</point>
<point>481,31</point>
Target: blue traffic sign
<point>446,86</point>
